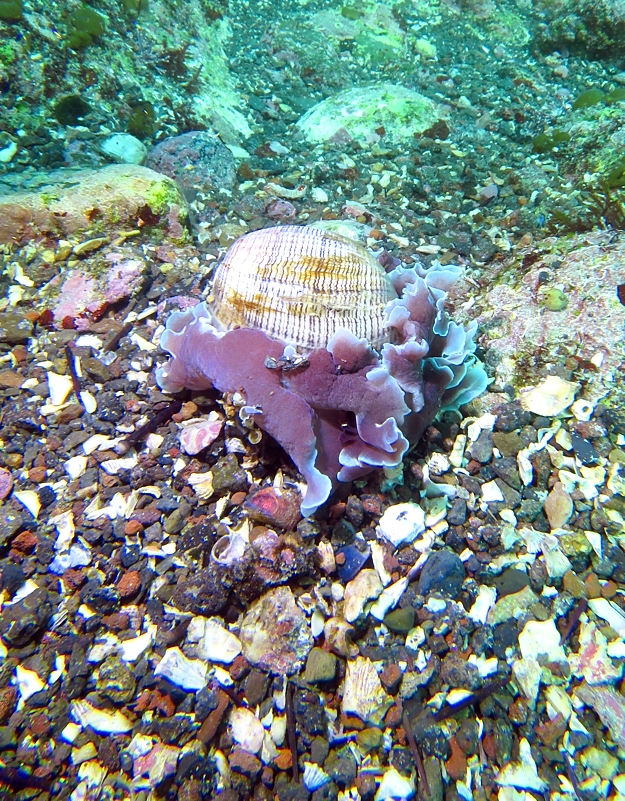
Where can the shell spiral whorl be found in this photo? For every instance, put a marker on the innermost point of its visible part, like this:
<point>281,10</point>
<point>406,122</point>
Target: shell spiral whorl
<point>299,285</point>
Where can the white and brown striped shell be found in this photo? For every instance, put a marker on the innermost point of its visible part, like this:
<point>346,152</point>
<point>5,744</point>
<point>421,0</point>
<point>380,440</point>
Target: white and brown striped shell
<point>299,285</point>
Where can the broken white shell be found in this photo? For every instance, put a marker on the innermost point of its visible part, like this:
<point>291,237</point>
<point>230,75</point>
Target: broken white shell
<point>99,720</point>
<point>363,695</point>
<point>365,587</point>
<point>402,523</point>
<point>549,398</point>
<point>59,388</point>
<point>395,786</point>
<point>314,776</point>
<point>522,774</point>
<point>246,730</point>
<point>218,644</point>
<point>190,674</point>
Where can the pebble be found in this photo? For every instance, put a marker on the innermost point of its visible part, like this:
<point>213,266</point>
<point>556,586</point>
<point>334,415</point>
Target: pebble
<point>320,666</point>
<point>351,559</point>
<point>558,506</point>
<point>275,633</point>
<point>401,620</point>
<point>20,622</point>
<point>443,572</point>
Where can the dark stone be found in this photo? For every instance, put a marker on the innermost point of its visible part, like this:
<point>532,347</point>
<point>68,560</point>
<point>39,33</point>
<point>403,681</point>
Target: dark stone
<point>319,750</point>
<point>20,622</point>
<point>468,737</point>
<point>505,636</point>
<point>356,556</point>
<point>309,713</point>
<point>504,736</point>
<point>11,521</point>
<point>341,767</point>
<point>457,672</point>
<point>400,620</point>
<point>511,581</point>
<point>508,444</point>
<point>443,572</point>
<point>329,792</point>
<point>291,792</point>
<point>482,640</point>
<point>343,533</point>
<point>8,738</point>
<point>201,593</point>
<point>482,449</point>
<point>457,515</point>
<point>583,449</point>
<point>512,417</point>
<point>130,555</point>
<point>12,578</point>
<point>507,470</point>
<point>256,686</point>
<point>104,600</point>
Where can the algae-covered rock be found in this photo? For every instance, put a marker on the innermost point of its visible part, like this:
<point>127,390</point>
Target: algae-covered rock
<point>104,200</point>
<point>360,112</point>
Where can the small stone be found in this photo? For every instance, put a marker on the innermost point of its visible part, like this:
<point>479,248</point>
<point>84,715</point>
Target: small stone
<point>370,739</point>
<point>6,483</point>
<point>256,686</point>
<point>391,678</point>
<point>116,680</point>
<point>443,573</point>
<point>243,762</point>
<point>468,736</point>
<point>12,578</point>
<point>274,507</point>
<point>573,584</point>
<point>558,506</point>
<point>457,672</point>
<point>26,542</point>
<point>20,622</point>
<point>11,521</point>
<point>508,443</point>
<point>275,633</point>
<point>457,514</point>
<point>482,449</point>
<point>456,765</point>
<point>320,666</point>
<point>400,620</point>
<point>510,581</point>
<point>129,585</point>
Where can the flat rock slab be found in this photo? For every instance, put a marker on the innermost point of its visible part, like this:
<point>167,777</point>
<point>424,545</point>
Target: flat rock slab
<point>111,198</point>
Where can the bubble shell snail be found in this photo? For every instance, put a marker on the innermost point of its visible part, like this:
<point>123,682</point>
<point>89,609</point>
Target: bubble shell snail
<point>382,357</point>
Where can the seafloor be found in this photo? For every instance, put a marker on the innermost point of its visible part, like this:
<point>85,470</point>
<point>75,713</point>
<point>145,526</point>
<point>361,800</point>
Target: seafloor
<point>480,657</point>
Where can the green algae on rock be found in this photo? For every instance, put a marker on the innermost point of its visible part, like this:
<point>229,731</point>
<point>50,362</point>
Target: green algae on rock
<point>100,201</point>
<point>361,111</point>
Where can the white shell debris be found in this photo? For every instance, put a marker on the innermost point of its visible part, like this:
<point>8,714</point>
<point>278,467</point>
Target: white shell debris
<point>522,774</point>
<point>491,493</point>
<point>402,523</point>
<point>389,598</point>
<point>314,776</point>
<point>217,643</point>
<point>65,530</point>
<point>99,720</point>
<point>195,435</point>
<point>75,467</point>
<point>549,398</point>
<point>202,484</point>
<point>363,695</point>
<point>395,786</point>
<point>541,637</point>
<point>482,605</point>
<point>30,500</point>
<point>59,388</point>
<point>190,674</point>
<point>582,410</point>
<point>605,609</point>
<point>113,466</point>
<point>246,730</point>
<point>365,587</point>
<point>131,650</point>
<point>88,401</point>
<point>28,682</point>
<point>527,674</point>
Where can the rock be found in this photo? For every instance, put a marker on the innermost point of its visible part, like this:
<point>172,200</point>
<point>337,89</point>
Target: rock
<point>482,449</point>
<point>457,672</point>
<point>510,581</point>
<point>125,149</point>
<point>70,200</point>
<point>320,666</point>
<point>15,329</point>
<point>444,573</point>
<point>12,578</point>
<point>20,622</point>
<point>11,521</point>
<point>243,762</point>
<point>357,113</point>
<point>351,559</point>
<point>85,292</point>
<point>508,443</point>
<point>116,680</point>
<point>400,620</point>
<point>197,161</point>
<point>363,695</point>
<point>342,767</point>
<point>457,514</point>
<point>129,585</point>
<point>558,506</point>
<point>274,507</point>
<point>275,634</point>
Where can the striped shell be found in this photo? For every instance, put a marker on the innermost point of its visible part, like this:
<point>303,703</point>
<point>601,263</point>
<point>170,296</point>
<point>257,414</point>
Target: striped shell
<point>299,285</point>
